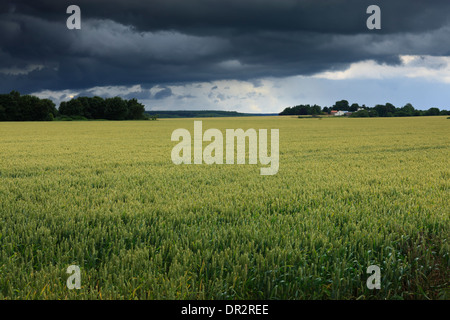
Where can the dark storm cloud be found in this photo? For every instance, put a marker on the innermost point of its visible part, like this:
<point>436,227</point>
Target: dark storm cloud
<point>164,93</point>
<point>199,16</point>
<point>171,41</point>
<point>140,95</point>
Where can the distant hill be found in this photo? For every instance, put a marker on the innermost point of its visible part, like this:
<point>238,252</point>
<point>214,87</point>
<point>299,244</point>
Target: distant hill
<point>203,114</point>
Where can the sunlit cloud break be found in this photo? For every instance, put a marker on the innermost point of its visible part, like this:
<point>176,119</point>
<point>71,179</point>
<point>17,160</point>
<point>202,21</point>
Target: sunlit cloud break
<point>433,68</point>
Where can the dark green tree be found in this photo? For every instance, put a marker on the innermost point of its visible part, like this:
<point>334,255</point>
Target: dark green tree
<point>341,105</point>
<point>361,114</point>
<point>86,108</point>
<point>354,107</point>
<point>372,113</point>
<point>432,112</point>
<point>2,113</point>
<point>408,109</point>
<point>135,110</point>
<point>381,110</point>
<point>115,109</point>
<point>71,108</point>
<point>97,107</point>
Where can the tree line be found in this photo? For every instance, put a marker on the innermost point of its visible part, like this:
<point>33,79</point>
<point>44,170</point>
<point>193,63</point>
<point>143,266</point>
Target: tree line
<point>380,110</point>
<point>17,107</point>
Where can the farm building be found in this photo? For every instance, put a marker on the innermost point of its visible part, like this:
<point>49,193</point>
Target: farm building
<point>337,113</point>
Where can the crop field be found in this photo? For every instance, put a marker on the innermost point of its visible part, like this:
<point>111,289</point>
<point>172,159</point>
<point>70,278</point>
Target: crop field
<point>106,196</point>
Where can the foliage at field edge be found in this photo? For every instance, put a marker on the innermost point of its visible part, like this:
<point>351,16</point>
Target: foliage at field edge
<point>16,107</point>
<point>356,111</point>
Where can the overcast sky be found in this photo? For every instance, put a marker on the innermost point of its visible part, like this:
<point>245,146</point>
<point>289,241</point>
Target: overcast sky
<point>243,55</point>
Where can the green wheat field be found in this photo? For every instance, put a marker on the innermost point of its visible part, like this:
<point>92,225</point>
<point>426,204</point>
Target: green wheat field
<point>106,196</point>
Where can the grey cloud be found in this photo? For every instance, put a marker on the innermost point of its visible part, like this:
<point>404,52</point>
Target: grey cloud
<point>123,43</point>
<point>204,16</point>
<point>164,93</point>
<point>186,96</point>
<point>85,93</point>
<point>140,95</point>
<point>222,97</point>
